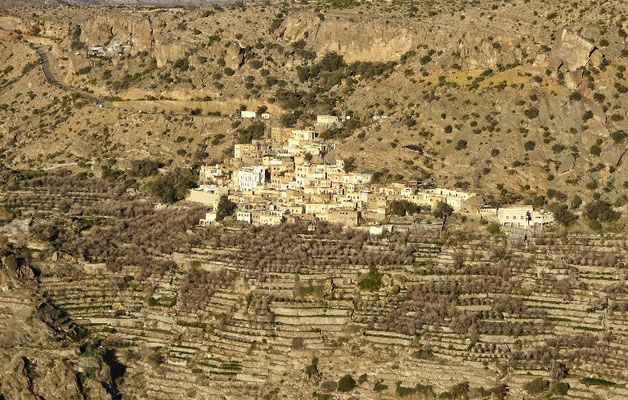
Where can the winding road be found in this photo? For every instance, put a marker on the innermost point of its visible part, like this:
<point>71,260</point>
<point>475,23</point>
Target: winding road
<point>45,61</point>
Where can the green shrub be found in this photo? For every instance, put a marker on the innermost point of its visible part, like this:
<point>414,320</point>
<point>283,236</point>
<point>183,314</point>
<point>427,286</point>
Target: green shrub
<point>601,211</point>
<point>276,23</point>
<point>558,148</point>
<point>145,168</point>
<point>442,210</point>
<point>493,228</point>
<point>182,64</point>
<point>331,62</point>
<point>425,59</point>
<point>596,382</point>
<point>461,390</point>
<point>587,115</point>
<point>173,185</point>
<point>560,388</point>
<point>562,214</point>
<point>83,71</point>
<point>536,386</point>
<point>531,113</point>
<point>401,208</point>
<point>379,386</point>
<point>225,208</point>
<point>253,131</point>
<point>575,96</point>
<point>619,136</point>
<point>371,281</point>
<point>346,383</point>
<point>288,119</point>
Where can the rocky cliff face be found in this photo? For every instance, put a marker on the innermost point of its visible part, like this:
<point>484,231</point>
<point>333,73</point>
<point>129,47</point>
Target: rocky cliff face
<point>471,44</point>
<point>40,353</point>
<point>102,30</point>
<point>355,41</point>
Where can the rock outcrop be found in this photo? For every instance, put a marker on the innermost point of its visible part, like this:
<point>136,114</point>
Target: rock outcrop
<point>570,52</point>
<point>367,41</point>
<point>101,30</point>
<point>234,56</point>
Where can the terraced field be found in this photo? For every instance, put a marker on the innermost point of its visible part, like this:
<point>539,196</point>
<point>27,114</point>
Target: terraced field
<point>240,312</point>
<point>445,313</point>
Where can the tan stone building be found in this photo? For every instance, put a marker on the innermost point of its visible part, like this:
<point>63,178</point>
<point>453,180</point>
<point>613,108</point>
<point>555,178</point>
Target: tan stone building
<point>344,216</point>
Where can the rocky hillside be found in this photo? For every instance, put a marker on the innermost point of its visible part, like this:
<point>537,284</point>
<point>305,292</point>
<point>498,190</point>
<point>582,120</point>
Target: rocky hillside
<point>510,100</point>
<point>40,345</point>
<point>79,3</point>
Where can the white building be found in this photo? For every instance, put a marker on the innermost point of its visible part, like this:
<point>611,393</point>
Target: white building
<point>244,216</point>
<point>248,114</point>
<point>357,178</point>
<point>210,219</point>
<point>301,134</point>
<point>251,177</point>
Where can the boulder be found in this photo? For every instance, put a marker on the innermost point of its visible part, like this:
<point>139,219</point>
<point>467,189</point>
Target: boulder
<point>570,52</point>
<point>234,56</point>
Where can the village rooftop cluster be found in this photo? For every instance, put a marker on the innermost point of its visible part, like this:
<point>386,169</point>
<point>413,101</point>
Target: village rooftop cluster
<point>294,176</point>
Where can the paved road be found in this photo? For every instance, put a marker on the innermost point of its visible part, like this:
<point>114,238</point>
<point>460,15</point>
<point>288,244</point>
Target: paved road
<point>44,60</point>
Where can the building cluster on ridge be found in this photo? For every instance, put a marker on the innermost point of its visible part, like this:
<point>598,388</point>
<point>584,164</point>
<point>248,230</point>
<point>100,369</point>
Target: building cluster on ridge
<point>293,176</point>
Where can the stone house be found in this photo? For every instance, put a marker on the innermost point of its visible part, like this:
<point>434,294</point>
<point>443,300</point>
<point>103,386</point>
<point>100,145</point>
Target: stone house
<point>244,216</point>
<point>344,216</point>
<point>208,195</point>
<point>267,217</point>
<point>518,216</point>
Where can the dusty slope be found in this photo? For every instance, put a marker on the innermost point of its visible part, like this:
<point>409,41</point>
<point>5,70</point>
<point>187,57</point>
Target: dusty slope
<point>527,96</point>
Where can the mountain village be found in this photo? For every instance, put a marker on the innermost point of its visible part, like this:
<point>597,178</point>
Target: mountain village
<point>294,176</point>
